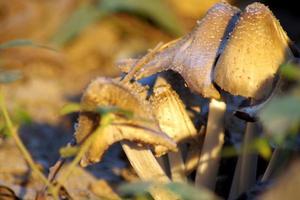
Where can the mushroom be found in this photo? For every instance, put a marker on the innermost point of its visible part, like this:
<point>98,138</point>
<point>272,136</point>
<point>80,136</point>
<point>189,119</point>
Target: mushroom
<point>142,128</point>
<point>173,119</point>
<point>257,47</point>
<point>248,67</point>
<point>107,92</point>
<point>193,57</point>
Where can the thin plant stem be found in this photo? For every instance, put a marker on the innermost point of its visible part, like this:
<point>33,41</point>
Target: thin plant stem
<point>105,121</point>
<point>13,131</point>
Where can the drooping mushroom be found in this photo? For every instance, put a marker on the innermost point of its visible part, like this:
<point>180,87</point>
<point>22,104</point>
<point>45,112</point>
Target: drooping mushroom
<point>107,92</point>
<point>142,128</point>
<point>193,57</point>
<point>248,67</point>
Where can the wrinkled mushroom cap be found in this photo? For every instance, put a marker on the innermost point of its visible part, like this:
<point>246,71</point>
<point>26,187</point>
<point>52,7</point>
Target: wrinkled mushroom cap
<point>192,56</point>
<point>257,47</point>
<point>142,128</point>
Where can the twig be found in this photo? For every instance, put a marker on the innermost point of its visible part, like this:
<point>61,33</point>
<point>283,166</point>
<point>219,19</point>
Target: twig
<point>58,165</point>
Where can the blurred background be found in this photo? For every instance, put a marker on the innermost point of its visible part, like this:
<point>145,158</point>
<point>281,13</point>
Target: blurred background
<point>54,48</point>
<point>74,41</point>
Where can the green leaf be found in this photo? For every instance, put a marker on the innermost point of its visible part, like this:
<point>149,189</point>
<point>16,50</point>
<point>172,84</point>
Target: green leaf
<point>290,71</point>
<point>190,192</point>
<point>70,108</point>
<point>280,115</point>
<point>83,16</point>
<point>22,43</point>
<point>16,43</point>
<point>3,129</point>
<point>9,76</point>
<point>185,191</point>
<point>258,145</point>
<point>68,151</point>
<point>156,10</point>
<point>137,188</point>
<point>230,151</point>
<point>87,14</point>
<point>21,116</point>
<point>112,109</point>
<point>263,147</point>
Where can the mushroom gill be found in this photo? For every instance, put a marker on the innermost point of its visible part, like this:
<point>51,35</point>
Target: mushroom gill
<point>171,113</point>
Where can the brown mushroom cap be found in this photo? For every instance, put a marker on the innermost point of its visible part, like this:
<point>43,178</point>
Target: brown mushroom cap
<point>193,56</point>
<point>257,47</point>
<point>142,128</point>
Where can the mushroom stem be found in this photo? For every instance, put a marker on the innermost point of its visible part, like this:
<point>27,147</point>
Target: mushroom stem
<point>163,162</point>
<point>277,162</point>
<point>214,139</point>
<point>194,152</point>
<point>192,160</point>
<point>177,167</point>
<point>148,169</point>
<point>245,172</point>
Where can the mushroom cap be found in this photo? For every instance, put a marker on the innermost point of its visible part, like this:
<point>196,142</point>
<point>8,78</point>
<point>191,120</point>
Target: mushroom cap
<point>142,128</point>
<point>193,56</point>
<point>257,47</point>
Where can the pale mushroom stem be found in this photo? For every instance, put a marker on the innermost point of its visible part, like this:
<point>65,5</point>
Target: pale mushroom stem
<point>192,159</point>
<point>277,162</point>
<point>148,169</point>
<point>177,167</point>
<point>194,152</point>
<point>163,164</point>
<point>245,172</point>
<point>214,139</point>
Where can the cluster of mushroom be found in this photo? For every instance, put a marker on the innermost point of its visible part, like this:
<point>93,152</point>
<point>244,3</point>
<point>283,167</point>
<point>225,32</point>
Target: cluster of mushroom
<point>233,51</point>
